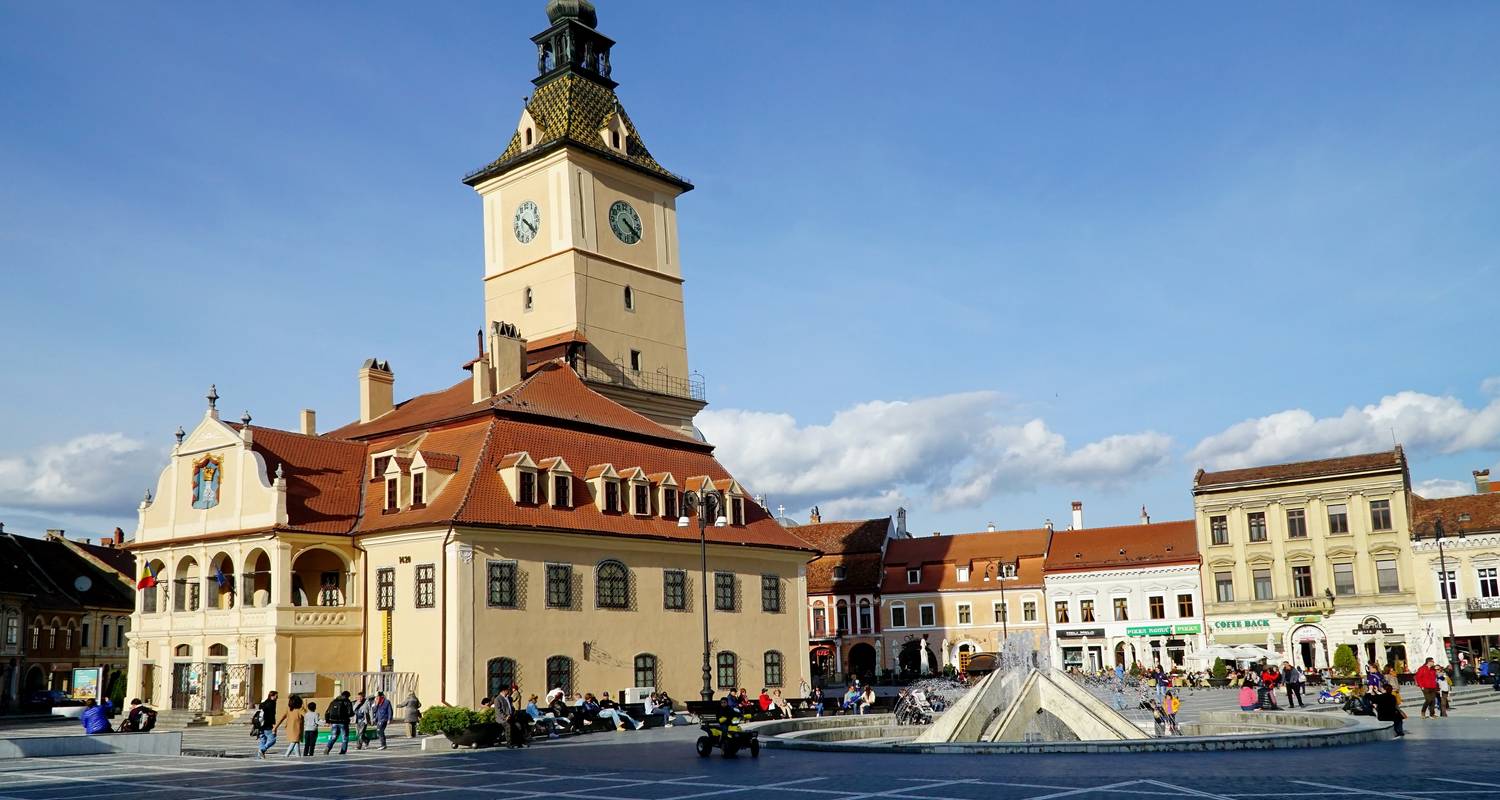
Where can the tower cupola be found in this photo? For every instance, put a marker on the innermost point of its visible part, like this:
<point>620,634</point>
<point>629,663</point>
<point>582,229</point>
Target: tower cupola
<point>570,45</point>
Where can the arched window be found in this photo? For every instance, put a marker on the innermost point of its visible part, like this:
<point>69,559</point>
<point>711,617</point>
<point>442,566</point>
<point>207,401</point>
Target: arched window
<point>183,651</point>
<point>612,585</point>
<point>528,137</point>
<point>629,299</point>
<point>645,671</point>
<point>502,673</point>
<point>773,668</point>
<point>560,673</point>
<point>866,616</point>
<point>218,650</point>
<point>729,673</point>
<point>529,298</point>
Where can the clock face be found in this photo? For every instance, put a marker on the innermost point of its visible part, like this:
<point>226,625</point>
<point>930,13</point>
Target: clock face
<point>528,221</point>
<point>625,222</point>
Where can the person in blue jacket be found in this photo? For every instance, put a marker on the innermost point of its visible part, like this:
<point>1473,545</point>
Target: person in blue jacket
<point>93,719</point>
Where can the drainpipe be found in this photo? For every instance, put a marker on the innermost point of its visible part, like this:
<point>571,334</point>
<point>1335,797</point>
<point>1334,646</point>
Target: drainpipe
<point>443,625</point>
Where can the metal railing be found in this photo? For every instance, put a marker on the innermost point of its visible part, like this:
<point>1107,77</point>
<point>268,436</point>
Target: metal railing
<point>1483,603</point>
<point>1306,605</point>
<point>617,374</point>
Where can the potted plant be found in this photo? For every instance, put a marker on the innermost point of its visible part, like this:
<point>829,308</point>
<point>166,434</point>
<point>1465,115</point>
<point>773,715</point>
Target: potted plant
<point>1220,673</point>
<point>463,727</point>
<point>1345,665</point>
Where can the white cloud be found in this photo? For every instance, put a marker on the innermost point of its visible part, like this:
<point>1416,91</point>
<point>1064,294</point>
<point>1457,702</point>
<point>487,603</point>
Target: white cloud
<point>1421,422</point>
<point>955,449</point>
<point>96,472</point>
<point>1443,487</point>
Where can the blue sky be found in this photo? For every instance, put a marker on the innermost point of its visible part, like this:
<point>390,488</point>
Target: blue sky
<point>979,263</point>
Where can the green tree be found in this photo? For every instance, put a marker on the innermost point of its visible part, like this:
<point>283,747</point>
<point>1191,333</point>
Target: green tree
<point>1220,668</point>
<point>1344,662</point>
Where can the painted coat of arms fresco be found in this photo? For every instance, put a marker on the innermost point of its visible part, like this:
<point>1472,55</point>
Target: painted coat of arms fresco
<point>208,474</point>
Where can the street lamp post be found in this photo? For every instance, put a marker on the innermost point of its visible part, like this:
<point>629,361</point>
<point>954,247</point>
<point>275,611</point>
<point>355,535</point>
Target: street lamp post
<point>1438,536</point>
<point>1005,575</point>
<point>704,505</point>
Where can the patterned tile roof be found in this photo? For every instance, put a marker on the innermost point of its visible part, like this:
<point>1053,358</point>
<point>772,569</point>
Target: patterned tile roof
<point>1303,470</point>
<point>1124,546</point>
<point>571,110</point>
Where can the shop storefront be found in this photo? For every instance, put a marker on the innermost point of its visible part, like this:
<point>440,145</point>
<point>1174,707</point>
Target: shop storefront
<point>1082,648</point>
<point>1166,644</point>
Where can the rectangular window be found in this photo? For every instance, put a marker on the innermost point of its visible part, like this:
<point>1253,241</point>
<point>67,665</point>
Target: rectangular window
<point>1185,606</point>
<point>392,494</point>
<point>612,496</point>
<point>1060,611</point>
<point>841,618</point>
<point>1387,579</point>
<point>426,585</point>
<point>927,616</point>
<point>562,495</point>
<point>83,635</point>
<point>1380,515</point>
<point>1000,613</point>
<point>1122,609</point>
<point>1257,520</point>
<point>866,617</point>
<point>737,511</point>
<point>1296,523</point>
<point>1489,583</point>
<point>1261,580</point>
<point>559,586</point>
<point>635,360</point>
<point>1158,606</point>
<point>1085,610</point>
<point>962,573</point>
<point>1447,588</point>
<point>1224,587</point>
<point>914,575</point>
<point>1338,518</point>
<point>12,630</point>
<point>965,614</point>
<point>724,593</point>
<point>669,503</point>
<point>1028,611</point>
<point>642,498</point>
<point>1343,579</point>
<point>528,487</point>
<point>770,594</point>
<point>119,635</point>
<point>674,590</point>
<point>419,488</point>
<point>502,584</point>
<point>385,589</point>
<point>1219,529</point>
<point>1302,581</point>
<point>103,636</point>
<point>820,621</point>
<point>898,616</point>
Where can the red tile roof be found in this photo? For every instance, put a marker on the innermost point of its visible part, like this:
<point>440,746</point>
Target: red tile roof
<point>323,478</point>
<point>849,536</point>
<point>939,557</point>
<point>1125,546</point>
<point>1392,460</point>
<point>862,574</point>
<point>1470,513</point>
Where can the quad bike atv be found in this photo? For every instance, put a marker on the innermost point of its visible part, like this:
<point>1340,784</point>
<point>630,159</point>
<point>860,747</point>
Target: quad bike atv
<point>728,734</point>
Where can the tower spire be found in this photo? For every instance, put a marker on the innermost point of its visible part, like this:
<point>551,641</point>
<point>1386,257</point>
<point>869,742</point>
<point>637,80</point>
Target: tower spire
<point>570,45</point>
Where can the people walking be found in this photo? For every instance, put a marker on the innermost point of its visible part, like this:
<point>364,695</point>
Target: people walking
<point>381,714</point>
<point>310,725</point>
<point>1293,678</point>
<point>292,719</point>
<point>267,724</point>
<point>361,719</point>
<point>340,714</point>
<point>1444,686</point>
<point>412,708</point>
<point>1426,680</point>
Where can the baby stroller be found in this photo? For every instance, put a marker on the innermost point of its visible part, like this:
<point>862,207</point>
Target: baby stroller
<point>727,733</point>
<point>913,709</point>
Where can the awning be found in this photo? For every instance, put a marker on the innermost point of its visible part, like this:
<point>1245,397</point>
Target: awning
<point>1241,638</point>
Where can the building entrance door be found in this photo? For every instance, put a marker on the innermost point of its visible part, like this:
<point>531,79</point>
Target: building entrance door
<point>1309,655</point>
<point>184,685</point>
<point>148,684</point>
<point>217,678</point>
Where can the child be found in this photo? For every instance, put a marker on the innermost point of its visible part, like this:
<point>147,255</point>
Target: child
<point>1170,705</point>
<point>310,729</point>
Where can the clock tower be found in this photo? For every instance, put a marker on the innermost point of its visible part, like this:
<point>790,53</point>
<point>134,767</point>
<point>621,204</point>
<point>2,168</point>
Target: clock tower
<point>580,231</point>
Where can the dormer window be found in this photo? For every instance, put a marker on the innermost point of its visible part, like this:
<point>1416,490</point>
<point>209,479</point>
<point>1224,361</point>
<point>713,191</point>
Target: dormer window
<point>642,492</point>
<point>562,491</point>
<point>913,575</point>
<point>381,462</point>
<point>839,573</point>
<point>614,139</point>
<point>737,511</point>
<point>418,489</point>
<point>527,492</point>
<point>528,137</point>
<point>392,494</point>
<point>612,497</point>
<point>669,502</point>
<point>963,574</point>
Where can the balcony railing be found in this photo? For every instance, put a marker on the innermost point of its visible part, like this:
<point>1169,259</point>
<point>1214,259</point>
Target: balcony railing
<point>616,374</point>
<point>1483,604</point>
<point>1305,605</point>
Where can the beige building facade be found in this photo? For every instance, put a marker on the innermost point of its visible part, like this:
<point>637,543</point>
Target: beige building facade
<point>1456,551</point>
<point>1300,558</point>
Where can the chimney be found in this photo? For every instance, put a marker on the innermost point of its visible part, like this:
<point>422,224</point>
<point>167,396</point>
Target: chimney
<point>900,523</point>
<point>309,422</point>
<point>377,389</point>
<point>1077,515</point>
<point>119,537</point>
<point>1048,525</point>
<point>507,355</point>
<point>1145,518</point>
<point>936,534</point>
<point>990,527</point>
<point>1482,481</point>
<point>814,518</point>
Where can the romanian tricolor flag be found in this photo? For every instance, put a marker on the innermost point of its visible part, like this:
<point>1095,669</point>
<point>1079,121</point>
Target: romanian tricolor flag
<point>148,580</point>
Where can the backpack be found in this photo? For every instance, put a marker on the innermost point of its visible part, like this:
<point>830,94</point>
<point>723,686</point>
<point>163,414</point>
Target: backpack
<point>258,722</point>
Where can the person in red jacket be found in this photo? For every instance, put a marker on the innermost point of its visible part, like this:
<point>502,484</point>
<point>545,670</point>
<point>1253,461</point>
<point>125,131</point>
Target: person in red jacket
<point>1426,679</point>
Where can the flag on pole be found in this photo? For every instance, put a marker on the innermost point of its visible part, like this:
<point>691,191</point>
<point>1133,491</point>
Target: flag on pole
<point>221,578</point>
<point>148,580</point>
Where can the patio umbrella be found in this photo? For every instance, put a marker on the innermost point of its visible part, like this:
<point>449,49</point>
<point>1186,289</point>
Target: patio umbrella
<point>1249,652</point>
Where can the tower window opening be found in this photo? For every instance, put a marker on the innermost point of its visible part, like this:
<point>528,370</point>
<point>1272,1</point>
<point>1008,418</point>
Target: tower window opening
<point>629,299</point>
<point>528,137</point>
<point>614,139</point>
<point>527,298</point>
<point>635,360</point>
